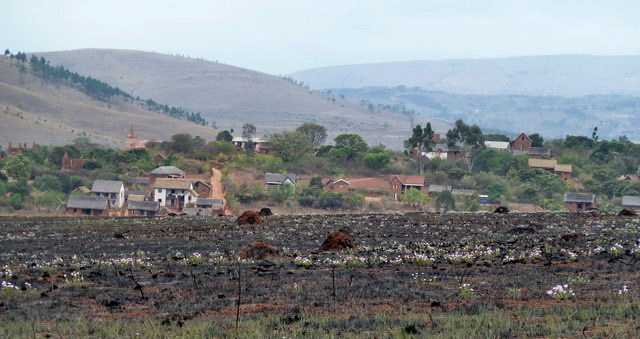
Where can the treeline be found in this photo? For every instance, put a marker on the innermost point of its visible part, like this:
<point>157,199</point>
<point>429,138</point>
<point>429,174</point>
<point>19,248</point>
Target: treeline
<point>99,90</point>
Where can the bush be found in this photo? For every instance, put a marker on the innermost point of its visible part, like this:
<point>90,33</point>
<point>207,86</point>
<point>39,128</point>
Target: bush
<point>16,201</point>
<point>50,199</point>
<point>47,183</point>
<point>282,193</point>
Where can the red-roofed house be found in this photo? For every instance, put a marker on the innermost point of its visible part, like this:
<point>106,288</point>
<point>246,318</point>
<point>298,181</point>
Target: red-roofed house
<point>401,183</point>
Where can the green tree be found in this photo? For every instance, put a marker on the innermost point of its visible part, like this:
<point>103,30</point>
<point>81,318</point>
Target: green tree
<point>182,143</point>
<point>18,167</point>
<point>224,136</point>
<point>536,140</point>
<point>463,133</point>
<point>415,197</point>
<point>290,146</point>
<point>7,52</point>
<point>348,147</point>
<point>445,201</point>
<point>421,140</point>
<point>282,193</point>
<point>47,183</point>
<point>317,134</point>
<point>377,158</point>
<point>248,131</point>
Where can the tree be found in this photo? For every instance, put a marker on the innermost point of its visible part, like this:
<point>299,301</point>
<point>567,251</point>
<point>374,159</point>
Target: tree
<point>348,147</point>
<point>317,134</point>
<point>18,167</point>
<point>16,201</point>
<point>463,133</point>
<point>536,140</point>
<point>421,140</point>
<point>415,197</point>
<point>445,201</point>
<point>248,131</point>
<point>377,158</point>
<point>224,136</point>
<point>182,143</point>
<point>594,135</point>
<point>7,52</point>
<point>47,183</point>
<point>290,146</point>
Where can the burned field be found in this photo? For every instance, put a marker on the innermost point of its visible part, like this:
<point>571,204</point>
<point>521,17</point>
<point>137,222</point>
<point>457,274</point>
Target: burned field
<point>473,275</point>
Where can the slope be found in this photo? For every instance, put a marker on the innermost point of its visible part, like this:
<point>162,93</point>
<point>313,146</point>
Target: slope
<point>228,95</point>
<point>32,110</point>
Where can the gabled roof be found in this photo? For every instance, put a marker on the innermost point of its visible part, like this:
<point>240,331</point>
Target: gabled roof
<point>179,184</point>
<point>543,163</point>
<point>138,181</point>
<point>278,178</point>
<point>439,188</point>
<point>107,186</point>
<point>579,197</point>
<point>153,206</point>
<point>88,202</point>
<point>254,139</point>
<point>214,203</point>
<point>168,170</point>
<point>631,201</point>
<point>410,180</point>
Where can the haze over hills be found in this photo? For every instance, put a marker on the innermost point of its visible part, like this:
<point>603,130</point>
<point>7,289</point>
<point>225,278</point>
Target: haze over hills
<point>231,96</point>
<point>561,75</point>
<point>33,110</point>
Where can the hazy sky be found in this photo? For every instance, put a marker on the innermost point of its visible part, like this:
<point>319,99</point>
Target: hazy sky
<point>282,36</point>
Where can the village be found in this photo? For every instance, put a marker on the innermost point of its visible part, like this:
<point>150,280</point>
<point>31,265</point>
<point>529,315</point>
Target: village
<point>170,190</point>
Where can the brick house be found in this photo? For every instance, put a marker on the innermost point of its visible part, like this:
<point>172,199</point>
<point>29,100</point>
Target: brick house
<point>521,143</point>
<point>70,164</point>
<point>579,202</point>
<point>402,183</point>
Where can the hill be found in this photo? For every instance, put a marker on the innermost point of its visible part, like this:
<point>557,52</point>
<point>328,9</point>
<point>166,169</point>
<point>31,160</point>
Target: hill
<point>553,116</point>
<point>230,96</point>
<point>562,75</point>
<point>47,112</point>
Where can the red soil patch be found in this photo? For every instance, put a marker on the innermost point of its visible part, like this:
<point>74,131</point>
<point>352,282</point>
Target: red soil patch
<point>259,250</point>
<point>338,240</point>
<point>249,218</point>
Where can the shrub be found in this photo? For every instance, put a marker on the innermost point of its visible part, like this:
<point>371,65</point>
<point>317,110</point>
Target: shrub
<point>46,183</point>
<point>16,201</point>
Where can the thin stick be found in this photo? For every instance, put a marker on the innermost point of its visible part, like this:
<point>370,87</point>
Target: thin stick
<point>333,279</point>
<point>238,301</point>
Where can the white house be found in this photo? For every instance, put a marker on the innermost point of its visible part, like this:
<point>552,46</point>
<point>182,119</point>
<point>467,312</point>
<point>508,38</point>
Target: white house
<point>174,193</point>
<point>110,189</point>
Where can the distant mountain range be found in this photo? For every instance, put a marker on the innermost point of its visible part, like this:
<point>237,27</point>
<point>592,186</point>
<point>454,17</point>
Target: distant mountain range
<point>231,96</point>
<point>562,75</point>
<point>552,116</point>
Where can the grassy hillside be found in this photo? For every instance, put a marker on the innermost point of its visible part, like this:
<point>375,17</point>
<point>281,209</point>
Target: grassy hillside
<point>230,96</point>
<point>32,110</point>
<point>563,75</point>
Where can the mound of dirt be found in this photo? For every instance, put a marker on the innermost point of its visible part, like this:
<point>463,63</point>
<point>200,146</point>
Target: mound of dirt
<point>338,240</point>
<point>627,213</point>
<point>266,212</point>
<point>259,250</point>
<point>250,218</point>
<point>501,210</point>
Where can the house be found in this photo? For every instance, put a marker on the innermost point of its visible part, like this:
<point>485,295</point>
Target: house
<point>174,193</point>
<point>564,171</point>
<point>435,189</point>
<point>370,186</point>
<point>497,145</point>
<point>275,180</point>
<point>631,202</point>
<point>167,172</point>
<point>136,196</point>
<point>629,177</point>
<point>207,206</point>
<point>110,189</point>
<point>401,183</point>
<point>143,208</point>
<point>521,143</point>
<point>579,202</point>
<point>87,205</point>
<point>70,164</point>
<point>258,145</point>
<point>551,165</point>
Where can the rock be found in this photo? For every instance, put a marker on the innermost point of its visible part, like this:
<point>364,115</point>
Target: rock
<point>338,240</point>
<point>250,218</point>
<point>266,212</point>
<point>259,250</point>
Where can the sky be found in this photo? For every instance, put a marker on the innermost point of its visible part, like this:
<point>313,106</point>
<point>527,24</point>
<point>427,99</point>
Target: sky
<point>283,36</point>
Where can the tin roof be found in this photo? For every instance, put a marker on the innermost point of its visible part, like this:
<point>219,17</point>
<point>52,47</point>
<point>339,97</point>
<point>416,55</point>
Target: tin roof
<point>168,170</point>
<point>88,202</point>
<point>278,178</point>
<point>579,197</point>
<point>107,186</point>
<point>631,201</point>
<point>153,206</point>
<point>180,184</point>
